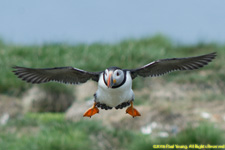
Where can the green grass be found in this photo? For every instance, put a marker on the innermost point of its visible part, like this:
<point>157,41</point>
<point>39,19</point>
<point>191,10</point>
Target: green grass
<point>50,131</point>
<point>96,57</point>
<point>206,133</point>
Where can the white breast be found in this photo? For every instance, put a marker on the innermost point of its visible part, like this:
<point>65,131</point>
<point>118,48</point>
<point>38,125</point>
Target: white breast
<point>114,96</point>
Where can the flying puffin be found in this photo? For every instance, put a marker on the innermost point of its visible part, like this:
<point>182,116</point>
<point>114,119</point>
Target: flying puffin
<point>114,83</point>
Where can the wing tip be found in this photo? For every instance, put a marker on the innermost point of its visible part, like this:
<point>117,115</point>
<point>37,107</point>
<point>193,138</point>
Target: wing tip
<point>18,71</point>
<point>213,55</point>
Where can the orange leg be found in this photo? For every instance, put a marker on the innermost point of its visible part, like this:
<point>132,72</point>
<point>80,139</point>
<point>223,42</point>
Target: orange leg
<point>90,112</point>
<point>132,111</point>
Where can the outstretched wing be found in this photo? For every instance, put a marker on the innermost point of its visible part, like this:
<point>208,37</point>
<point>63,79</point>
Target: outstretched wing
<point>59,74</point>
<point>162,66</point>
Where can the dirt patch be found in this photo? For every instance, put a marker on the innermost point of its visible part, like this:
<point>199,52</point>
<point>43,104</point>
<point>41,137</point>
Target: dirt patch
<point>10,107</point>
<point>169,105</point>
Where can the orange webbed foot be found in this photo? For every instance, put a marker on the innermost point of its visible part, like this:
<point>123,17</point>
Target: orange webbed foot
<point>132,111</point>
<point>92,111</point>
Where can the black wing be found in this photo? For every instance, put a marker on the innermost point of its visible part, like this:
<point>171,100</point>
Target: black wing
<point>162,66</point>
<point>59,74</point>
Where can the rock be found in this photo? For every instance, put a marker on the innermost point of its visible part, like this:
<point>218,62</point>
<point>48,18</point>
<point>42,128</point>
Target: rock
<point>38,100</point>
<point>86,90</point>
<point>4,118</point>
<point>30,96</point>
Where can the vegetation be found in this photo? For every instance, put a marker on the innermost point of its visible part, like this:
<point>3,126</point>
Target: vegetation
<point>51,132</point>
<point>96,57</point>
<point>206,133</point>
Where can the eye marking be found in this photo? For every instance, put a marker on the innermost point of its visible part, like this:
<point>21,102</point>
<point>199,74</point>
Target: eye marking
<point>117,73</point>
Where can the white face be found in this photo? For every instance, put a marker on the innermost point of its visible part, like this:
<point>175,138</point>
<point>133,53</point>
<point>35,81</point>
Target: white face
<point>114,78</point>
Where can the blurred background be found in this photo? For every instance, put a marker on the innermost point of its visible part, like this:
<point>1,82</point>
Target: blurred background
<point>178,108</point>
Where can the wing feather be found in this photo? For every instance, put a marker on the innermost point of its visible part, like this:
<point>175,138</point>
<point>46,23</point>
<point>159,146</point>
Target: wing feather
<point>59,74</point>
<point>162,66</point>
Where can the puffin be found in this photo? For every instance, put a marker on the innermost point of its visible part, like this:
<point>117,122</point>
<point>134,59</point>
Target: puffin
<point>114,84</point>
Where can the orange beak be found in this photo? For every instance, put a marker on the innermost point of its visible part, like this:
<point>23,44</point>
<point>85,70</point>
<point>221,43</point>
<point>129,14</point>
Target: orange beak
<point>110,81</point>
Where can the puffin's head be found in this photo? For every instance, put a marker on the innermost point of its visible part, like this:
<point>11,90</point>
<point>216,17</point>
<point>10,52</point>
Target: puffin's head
<point>113,77</point>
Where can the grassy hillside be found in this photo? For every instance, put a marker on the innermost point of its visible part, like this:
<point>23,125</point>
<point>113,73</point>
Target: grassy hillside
<point>97,57</point>
<point>176,99</point>
<point>52,132</point>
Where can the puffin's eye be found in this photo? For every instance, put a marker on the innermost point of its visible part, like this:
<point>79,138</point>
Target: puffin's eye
<point>105,74</point>
<point>117,73</point>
